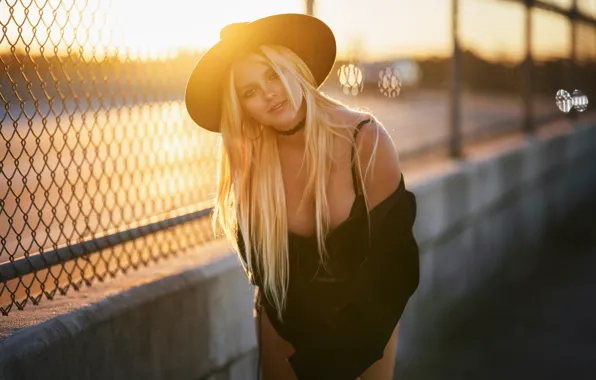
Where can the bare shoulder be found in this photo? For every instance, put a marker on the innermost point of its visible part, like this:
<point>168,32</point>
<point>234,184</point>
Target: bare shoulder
<point>379,161</point>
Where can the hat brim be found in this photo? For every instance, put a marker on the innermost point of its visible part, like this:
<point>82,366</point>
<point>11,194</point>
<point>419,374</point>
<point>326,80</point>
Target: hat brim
<point>310,38</point>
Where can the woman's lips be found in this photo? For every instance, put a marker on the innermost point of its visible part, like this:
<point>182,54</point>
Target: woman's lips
<point>279,107</point>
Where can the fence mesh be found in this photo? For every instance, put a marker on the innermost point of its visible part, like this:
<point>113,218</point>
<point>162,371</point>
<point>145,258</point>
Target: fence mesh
<point>97,143</point>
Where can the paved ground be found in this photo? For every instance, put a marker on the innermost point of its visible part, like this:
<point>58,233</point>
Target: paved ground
<point>541,327</point>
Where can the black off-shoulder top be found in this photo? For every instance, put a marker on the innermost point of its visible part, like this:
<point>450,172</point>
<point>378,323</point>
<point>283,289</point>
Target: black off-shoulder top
<point>339,322</point>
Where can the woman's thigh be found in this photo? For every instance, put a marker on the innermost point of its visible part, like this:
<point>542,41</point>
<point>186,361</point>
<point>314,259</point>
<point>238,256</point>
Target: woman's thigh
<point>383,368</point>
<point>274,350</point>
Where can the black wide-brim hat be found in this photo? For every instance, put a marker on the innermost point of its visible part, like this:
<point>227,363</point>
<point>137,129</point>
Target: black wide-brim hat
<point>308,37</point>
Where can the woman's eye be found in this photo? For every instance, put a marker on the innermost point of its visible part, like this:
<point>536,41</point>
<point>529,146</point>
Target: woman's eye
<point>249,93</point>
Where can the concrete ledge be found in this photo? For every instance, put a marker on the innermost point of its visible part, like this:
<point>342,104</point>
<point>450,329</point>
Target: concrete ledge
<point>191,317</point>
<point>189,322</point>
<point>480,225</point>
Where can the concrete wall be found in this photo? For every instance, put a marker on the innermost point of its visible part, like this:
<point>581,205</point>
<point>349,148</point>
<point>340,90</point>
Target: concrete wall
<point>481,224</point>
<point>191,317</point>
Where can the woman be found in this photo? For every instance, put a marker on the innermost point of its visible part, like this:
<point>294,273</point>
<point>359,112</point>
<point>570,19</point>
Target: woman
<point>311,196</point>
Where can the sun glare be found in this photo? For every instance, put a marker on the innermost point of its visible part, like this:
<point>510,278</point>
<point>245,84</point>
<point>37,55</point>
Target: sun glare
<point>148,29</point>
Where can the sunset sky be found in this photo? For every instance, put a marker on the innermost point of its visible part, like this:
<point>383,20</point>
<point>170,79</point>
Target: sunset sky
<point>382,28</point>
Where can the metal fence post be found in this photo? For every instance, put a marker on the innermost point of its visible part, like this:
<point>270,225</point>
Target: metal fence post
<point>455,108</point>
<point>310,6</point>
<point>572,67</point>
<point>528,72</point>
<point>573,48</point>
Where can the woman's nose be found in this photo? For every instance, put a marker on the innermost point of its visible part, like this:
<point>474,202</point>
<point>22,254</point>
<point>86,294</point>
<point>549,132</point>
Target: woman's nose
<point>270,94</point>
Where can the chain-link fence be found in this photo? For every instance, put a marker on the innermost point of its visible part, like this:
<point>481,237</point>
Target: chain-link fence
<point>466,70</point>
<point>102,171</point>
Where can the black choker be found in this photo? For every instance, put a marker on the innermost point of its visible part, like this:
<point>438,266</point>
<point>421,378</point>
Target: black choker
<point>293,130</point>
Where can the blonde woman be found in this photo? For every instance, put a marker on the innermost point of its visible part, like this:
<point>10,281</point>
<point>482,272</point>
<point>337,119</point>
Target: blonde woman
<point>312,197</point>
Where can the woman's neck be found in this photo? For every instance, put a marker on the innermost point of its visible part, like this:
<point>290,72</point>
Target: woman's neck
<point>294,135</point>
<point>293,130</point>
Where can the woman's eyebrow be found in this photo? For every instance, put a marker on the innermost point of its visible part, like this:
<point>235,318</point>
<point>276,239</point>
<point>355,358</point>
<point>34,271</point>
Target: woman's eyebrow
<point>265,73</point>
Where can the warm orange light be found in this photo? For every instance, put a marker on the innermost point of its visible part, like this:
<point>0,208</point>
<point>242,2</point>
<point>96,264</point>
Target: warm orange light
<point>382,29</point>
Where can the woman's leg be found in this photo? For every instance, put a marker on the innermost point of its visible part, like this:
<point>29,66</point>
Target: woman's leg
<point>383,369</point>
<point>274,350</point>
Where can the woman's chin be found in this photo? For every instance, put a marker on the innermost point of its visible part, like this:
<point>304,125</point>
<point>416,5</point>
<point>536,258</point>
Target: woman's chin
<point>283,125</point>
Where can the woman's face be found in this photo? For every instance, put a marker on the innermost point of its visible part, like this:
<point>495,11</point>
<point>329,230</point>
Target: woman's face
<point>262,95</point>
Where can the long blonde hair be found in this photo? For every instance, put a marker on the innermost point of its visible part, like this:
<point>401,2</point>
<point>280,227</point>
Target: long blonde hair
<point>250,194</point>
